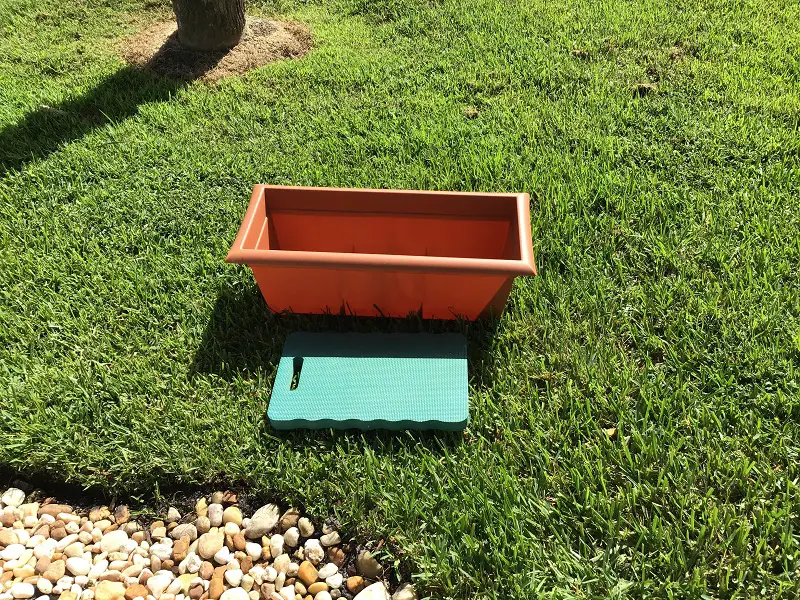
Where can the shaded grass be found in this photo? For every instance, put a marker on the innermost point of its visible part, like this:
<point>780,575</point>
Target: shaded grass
<point>666,230</point>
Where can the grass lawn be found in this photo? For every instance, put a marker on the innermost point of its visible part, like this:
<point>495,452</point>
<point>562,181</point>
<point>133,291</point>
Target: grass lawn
<point>636,411</point>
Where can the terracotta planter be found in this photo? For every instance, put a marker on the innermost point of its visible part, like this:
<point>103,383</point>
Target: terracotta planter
<point>385,252</point>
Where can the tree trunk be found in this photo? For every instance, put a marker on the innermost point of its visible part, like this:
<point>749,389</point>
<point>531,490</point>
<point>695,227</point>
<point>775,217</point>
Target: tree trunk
<point>209,24</point>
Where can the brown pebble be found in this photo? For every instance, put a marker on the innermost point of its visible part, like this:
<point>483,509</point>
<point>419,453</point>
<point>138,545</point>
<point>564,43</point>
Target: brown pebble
<point>180,548</point>
<point>43,531</point>
<point>289,581</point>
<point>267,589</point>
<point>316,588</point>
<point>54,509</point>
<point>196,591</point>
<point>204,596</point>
<point>144,577</point>
<point>43,564</point>
<point>229,541</point>
<point>138,536</point>
<point>6,576</point>
<point>307,572</point>
<point>167,564</point>
<point>206,570</point>
<point>289,519</point>
<point>229,497</point>
<point>156,525</point>
<point>7,519</point>
<point>247,564</point>
<point>355,584</point>
<point>155,563</point>
<point>136,590</point>
<point>219,572</point>
<point>239,541</point>
<point>55,571</point>
<point>121,514</point>
<point>58,533</point>
<point>215,589</point>
<point>336,556</point>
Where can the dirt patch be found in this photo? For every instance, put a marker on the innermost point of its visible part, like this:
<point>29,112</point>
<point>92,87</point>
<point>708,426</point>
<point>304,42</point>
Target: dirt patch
<point>157,49</point>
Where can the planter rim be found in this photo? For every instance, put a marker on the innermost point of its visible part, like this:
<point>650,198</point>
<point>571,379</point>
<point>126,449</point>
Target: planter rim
<point>438,264</point>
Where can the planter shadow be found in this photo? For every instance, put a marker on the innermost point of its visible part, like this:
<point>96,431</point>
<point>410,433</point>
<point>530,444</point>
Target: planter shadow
<point>244,337</point>
<point>44,130</point>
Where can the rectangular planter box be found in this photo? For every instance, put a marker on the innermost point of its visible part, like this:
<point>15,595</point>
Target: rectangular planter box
<point>442,255</point>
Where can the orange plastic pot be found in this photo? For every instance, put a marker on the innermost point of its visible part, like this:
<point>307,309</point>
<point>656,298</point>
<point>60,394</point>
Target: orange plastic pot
<point>385,252</point>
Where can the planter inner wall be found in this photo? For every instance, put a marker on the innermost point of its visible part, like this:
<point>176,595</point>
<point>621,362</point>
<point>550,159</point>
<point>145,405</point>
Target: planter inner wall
<point>413,225</point>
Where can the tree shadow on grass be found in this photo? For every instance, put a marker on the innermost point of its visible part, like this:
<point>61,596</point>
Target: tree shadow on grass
<point>43,131</point>
<point>243,337</point>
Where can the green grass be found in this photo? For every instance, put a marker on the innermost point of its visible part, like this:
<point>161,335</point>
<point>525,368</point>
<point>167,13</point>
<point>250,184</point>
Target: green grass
<point>667,233</point>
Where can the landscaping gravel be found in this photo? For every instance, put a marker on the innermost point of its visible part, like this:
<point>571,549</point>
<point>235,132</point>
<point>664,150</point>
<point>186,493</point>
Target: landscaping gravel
<point>50,551</point>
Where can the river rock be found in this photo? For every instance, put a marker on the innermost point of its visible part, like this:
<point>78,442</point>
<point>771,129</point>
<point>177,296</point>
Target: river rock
<point>236,593</point>
<point>328,570</point>
<point>209,544</point>
<point>78,566</point>
<point>113,541</point>
<point>20,589</point>
<point>109,590</point>
<point>185,530</point>
<point>376,591</point>
<point>330,539</point>
<point>406,591</point>
<point>215,514</point>
<point>13,497</point>
<point>263,521</point>
<point>306,527</point>
<point>368,566</point>
<point>232,514</point>
<point>313,551</point>
<point>335,580</point>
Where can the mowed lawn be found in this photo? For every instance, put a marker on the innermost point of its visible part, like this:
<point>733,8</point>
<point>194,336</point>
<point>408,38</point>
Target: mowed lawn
<point>635,412</point>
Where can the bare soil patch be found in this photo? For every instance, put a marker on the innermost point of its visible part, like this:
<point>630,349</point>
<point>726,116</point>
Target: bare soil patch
<point>157,49</point>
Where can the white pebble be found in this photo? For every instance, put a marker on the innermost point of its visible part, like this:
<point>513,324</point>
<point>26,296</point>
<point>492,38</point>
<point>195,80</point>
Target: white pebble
<point>78,566</point>
<point>313,551</point>
<point>293,569</point>
<point>72,527</point>
<point>327,571</point>
<point>44,586</point>
<point>276,545</point>
<point>12,552</point>
<point>175,586</point>
<point>84,537</point>
<point>113,540</point>
<point>335,580</point>
<point>98,569</point>
<point>81,580</point>
<point>253,550</point>
<point>234,577</point>
<point>47,519</point>
<point>23,536</point>
<point>223,556</point>
<point>323,595</point>
<point>162,551</point>
<point>22,590</point>
<point>231,529</point>
<point>66,541</point>
<point>157,584</point>
<point>236,593</point>
<point>129,546</point>
<point>13,497</point>
<point>270,574</point>
<point>257,573</point>
<point>292,537</point>
<point>215,514</point>
<point>287,593</point>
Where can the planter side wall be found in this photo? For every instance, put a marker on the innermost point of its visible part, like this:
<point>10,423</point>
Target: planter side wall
<point>382,293</point>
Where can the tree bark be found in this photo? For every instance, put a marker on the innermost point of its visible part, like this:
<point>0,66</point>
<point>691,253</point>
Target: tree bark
<point>209,24</point>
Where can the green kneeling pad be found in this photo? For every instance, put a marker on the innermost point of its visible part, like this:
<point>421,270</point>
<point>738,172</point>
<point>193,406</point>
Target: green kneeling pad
<point>371,381</point>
